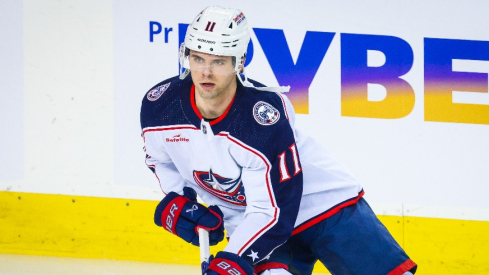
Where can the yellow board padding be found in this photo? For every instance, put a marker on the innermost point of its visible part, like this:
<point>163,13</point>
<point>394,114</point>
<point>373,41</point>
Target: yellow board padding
<point>123,229</point>
<point>446,246</point>
<point>88,227</point>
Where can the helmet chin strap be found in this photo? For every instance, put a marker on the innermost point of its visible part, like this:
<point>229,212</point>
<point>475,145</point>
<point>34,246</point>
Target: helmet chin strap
<point>241,72</point>
<point>246,83</point>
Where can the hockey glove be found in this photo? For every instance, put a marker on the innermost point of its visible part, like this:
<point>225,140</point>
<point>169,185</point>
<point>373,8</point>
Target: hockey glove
<point>183,215</point>
<point>226,263</point>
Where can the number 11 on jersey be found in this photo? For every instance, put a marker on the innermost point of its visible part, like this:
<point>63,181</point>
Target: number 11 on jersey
<point>284,171</point>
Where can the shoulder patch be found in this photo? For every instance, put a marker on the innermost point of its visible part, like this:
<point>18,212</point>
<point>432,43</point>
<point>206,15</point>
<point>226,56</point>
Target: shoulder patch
<point>156,93</point>
<point>265,114</point>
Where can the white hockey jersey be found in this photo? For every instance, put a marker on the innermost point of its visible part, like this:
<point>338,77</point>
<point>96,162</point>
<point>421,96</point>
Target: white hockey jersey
<point>269,180</point>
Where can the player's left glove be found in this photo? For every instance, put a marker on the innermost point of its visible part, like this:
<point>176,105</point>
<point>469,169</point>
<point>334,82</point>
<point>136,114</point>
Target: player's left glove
<point>226,263</point>
<point>183,215</point>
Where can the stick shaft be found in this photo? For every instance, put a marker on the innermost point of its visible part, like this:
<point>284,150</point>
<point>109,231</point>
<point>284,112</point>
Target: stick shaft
<point>204,245</point>
<point>205,250</point>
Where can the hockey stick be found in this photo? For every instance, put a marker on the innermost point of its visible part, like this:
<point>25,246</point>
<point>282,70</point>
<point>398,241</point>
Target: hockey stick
<point>204,249</point>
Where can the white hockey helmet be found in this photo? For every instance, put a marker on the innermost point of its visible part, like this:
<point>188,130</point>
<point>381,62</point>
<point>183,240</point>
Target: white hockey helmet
<point>217,31</point>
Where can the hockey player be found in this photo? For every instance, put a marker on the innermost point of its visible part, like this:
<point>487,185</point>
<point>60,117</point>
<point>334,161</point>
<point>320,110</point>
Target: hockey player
<point>284,201</point>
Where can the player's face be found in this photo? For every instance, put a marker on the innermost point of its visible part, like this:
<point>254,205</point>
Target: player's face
<point>213,75</point>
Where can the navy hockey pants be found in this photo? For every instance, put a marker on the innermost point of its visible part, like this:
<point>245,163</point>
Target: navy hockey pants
<point>352,241</point>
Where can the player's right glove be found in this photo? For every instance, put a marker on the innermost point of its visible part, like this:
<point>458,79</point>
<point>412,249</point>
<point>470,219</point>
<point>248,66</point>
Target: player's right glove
<point>226,263</point>
<point>183,215</point>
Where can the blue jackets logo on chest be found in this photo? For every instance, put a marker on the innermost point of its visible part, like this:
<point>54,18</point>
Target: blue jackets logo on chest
<point>226,189</point>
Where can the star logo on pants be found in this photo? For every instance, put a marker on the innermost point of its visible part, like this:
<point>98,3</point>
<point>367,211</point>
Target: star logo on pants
<point>253,255</point>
